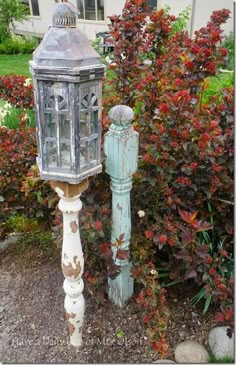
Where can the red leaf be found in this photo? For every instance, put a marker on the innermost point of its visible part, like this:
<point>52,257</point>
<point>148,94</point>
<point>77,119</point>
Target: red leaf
<point>190,274</point>
<point>202,252</point>
<point>188,236</point>
<point>229,313</point>
<point>122,255</point>
<point>119,241</point>
<point>184,255</point>
<point>188,217</point>
<point>202,226</point>
<point>113,271</point>
<point>219,317</point>
<point>229,229</point>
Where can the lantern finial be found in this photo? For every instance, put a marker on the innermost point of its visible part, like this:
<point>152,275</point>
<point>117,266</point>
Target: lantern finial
<point>64,15</point>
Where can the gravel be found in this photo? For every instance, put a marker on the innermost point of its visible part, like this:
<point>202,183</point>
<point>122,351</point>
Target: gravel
<point>33,327</point>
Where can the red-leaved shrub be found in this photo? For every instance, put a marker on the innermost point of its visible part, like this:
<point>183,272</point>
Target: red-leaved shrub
<point>17,91</point>
<point>186,147</point>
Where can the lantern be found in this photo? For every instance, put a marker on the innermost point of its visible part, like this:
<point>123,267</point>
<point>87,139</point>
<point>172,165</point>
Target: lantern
<point>67,76</point>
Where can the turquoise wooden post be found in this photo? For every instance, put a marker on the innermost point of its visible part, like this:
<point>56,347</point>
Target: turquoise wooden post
<point>121,150</point>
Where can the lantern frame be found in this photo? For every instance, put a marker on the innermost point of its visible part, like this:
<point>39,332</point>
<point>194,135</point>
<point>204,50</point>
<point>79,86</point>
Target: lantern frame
<point>67,77</point>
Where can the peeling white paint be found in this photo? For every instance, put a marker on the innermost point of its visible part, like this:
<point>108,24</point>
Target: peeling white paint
<point>73,266</point>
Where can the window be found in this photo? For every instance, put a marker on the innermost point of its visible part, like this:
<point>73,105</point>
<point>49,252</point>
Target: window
<point>152,4</point>
<point>91,9</point>
<point>34,8</point>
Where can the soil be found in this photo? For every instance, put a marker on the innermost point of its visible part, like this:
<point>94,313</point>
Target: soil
<point>33,327</point>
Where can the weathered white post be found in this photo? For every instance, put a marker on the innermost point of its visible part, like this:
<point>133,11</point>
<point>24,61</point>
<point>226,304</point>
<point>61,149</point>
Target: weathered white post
<point>67,76</point>
<point>72,259</point>
<point>121,150</point>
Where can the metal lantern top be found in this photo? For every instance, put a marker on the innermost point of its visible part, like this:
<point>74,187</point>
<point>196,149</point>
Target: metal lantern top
<point>64,45</point>
<point>64,16</point>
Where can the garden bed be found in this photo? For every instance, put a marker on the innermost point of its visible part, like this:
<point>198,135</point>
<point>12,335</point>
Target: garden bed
<point>33,325</point>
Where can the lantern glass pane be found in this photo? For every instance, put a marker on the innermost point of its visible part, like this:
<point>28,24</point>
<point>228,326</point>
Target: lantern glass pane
<point>65,155</point>
<point>52,153</point>
<point>83,125</point>
<point>51,126</point>
<point>83,155</point>
<point>94,122</point>
<point>65,127</point>
<point>92,150</point>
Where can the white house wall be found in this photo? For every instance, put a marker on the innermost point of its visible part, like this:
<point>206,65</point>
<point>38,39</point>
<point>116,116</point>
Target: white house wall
<point>201,11</point>
<point>38,25</point>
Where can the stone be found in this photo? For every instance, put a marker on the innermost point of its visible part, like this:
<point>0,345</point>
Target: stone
<point>220,344</point>
<point>164,361</point>
<point>191,352</point>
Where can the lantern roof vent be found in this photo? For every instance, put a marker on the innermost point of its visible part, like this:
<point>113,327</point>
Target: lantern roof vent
<point>65,15</point>
<point>64,45</point>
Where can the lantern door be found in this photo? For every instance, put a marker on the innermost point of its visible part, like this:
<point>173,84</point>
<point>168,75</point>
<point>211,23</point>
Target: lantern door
<point>56,121</point>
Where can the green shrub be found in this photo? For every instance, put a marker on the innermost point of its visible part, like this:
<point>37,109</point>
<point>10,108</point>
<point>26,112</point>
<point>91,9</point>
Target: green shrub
<point>42,240</point>
<point>215,85</point>
<point>19,223</point>
<point>228,42</point>
<point>10,12</point>
<point>18,44</point>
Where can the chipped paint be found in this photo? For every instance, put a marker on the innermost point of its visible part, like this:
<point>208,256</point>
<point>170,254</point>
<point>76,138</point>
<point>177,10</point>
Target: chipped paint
<point>75,259</point>
<point>70,315</point>
<point>71,270</point>
<point>121,150</point>
<point>72,267</point>
<point>74,227</point>
<point>119,207</point>
<point>71,328</point>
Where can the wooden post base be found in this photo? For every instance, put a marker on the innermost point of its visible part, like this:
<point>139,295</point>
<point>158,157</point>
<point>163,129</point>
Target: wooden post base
<point>72,256</point>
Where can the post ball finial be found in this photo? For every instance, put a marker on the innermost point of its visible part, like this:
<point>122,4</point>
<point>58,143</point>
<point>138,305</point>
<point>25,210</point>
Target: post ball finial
<point>121,115</point>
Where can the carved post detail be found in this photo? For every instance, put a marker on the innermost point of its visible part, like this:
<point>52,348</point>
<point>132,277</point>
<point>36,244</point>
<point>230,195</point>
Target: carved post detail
<point>121,150</point>
<point>72,257</point>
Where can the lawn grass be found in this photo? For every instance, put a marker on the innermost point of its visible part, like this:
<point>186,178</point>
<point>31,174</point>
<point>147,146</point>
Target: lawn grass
<point>15,64</point>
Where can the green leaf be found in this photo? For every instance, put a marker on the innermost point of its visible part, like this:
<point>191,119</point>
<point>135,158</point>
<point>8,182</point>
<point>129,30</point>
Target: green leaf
<point>163,275</point>
<point>120,333</point>
<point>207,303</point>
<point>160,268</point>
<point>172,283</point>
<point>198,296</point>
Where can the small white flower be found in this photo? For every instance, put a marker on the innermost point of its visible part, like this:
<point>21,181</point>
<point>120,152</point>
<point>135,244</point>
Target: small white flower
<point>154,272</point>
<point>7,106</point>
<point>141,213</point>
<point>27,82</point>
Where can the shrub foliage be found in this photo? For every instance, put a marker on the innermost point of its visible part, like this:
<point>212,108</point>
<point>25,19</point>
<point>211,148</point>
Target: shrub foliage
<point>185,178</point>
<point>17,90</point>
